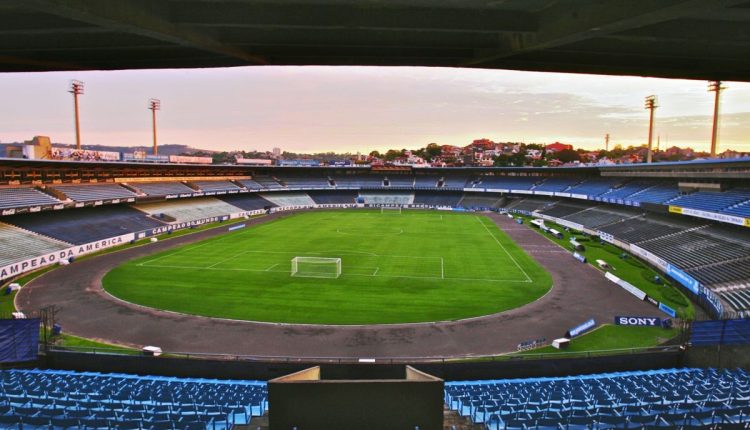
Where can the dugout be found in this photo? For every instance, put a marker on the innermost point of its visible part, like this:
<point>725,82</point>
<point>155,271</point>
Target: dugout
<point>321,398</point>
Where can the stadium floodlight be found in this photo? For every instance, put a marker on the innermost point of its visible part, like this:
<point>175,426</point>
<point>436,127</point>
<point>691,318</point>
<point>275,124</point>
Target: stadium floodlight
<point>390,209</point>
<point>651,104</point>
<point>316,267</point>
<point>154,105</point>
<point>76,88</point>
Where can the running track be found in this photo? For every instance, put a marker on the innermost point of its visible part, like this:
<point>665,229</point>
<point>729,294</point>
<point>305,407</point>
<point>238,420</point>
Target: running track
<point>579,292</point>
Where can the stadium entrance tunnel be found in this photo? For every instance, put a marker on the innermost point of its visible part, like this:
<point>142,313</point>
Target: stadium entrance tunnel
<point>343,398</point>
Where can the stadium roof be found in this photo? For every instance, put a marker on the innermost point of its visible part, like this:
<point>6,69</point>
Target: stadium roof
<point>698,39</point>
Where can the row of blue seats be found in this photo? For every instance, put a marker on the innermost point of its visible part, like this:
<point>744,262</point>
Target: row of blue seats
<point>53,399</point>
<point>667,397</point>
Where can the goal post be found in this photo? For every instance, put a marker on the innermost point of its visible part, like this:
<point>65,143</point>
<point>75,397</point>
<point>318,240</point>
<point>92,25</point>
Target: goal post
<point>390,209</point>
<point>316,267</point>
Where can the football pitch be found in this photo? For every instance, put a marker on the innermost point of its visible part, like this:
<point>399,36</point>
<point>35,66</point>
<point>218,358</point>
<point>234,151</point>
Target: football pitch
<point>414,266</point>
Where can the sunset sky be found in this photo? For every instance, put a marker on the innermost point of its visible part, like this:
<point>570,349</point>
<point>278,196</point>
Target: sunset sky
<point>306,109</point>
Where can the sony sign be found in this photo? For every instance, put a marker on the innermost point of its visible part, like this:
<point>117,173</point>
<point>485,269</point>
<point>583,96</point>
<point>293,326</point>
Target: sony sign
<point>639,321</point>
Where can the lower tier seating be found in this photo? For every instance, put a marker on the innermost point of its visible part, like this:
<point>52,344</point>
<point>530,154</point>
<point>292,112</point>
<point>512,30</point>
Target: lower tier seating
<point>53,399</point>
<point>388,198</point>
<point>289,199</point>
<point>442,198</point>
<point>189,209</point>
<point>670,398</point>
<point>480,200</point>
<point>247,202</point>
<point>333,197</point>
<point>18,245</point>
<point>85,225</point>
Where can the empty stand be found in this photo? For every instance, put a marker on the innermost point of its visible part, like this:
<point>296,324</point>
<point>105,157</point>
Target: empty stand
<point>247,202</point>
<point>426,181</point>
<point>595,186</point>
<point>289,199</point>
<point>669,398</point>
<point>24,197</point>
<point>359,181</point>
<point>639,229</point>
<point>162,188</point>
<point>563,209</point>
<point>454,181</point>
<point>556,184</point>
<point>400,181</point>
<point>595,217</point>
<point>189,209</point>
<point>93,192</point>
<point>209,186</point>
<point>17,244</point>
<point>305,181</point>
<point>85,225</point>
<point>442,198</point>
<point>480,200</point>
<point>388,197</point>
<point>508,182</point>
<point>658,193</point>
<point>62,399</point>
<point>251,184</point>
<point>265,182</point>
<point>690,249</point>
<point>713,201</point>
<point>333,197</point>
<point>528,204</point>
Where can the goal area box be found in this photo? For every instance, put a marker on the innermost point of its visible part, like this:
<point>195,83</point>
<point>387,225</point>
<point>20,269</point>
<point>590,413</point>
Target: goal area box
<point>316,267</point>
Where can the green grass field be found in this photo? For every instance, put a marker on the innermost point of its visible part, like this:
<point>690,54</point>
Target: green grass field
<point>410,267</point>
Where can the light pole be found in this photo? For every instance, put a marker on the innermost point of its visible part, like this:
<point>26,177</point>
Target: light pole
<point>651,105</point>
<point>76,88</point>
<point>716,87</point>
<point>154,105</point>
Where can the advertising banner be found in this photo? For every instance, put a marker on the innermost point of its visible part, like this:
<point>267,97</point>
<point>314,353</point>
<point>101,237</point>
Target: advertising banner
<point>683,278</point>
<point>667,310</point>
<point>63,254</point>
<point>579,330</point>
<point>638,321</point>
<point>626,286</point>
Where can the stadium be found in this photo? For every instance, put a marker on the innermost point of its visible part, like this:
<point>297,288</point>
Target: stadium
<point>173,294</point>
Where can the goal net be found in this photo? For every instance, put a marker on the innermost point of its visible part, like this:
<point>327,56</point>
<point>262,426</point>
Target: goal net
<point>390,210</point>
<point>316,267</point>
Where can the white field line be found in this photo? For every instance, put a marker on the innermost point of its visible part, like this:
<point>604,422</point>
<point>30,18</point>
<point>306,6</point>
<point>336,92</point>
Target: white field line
<point>442,268</point>
<point>528,279</point>
<point>269,269</point>
<point>173,253</point>
<point>376,271</point>
<point>342,275</point>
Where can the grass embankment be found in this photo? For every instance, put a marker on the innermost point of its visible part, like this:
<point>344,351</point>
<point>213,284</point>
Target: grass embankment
<point>626,267</point>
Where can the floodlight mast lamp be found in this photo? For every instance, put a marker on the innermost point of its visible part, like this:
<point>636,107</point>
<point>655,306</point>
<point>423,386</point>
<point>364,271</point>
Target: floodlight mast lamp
<point>154,105</point>
<point>76,88</point>
<point>651,105</point>
<point>715,86</point>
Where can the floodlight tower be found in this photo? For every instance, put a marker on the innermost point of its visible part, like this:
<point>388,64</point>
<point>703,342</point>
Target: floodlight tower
<point>76,88</point>
<point>606,142</point>
<point>651,104</point>
<point>715,86</point>
<point>154,105</point>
